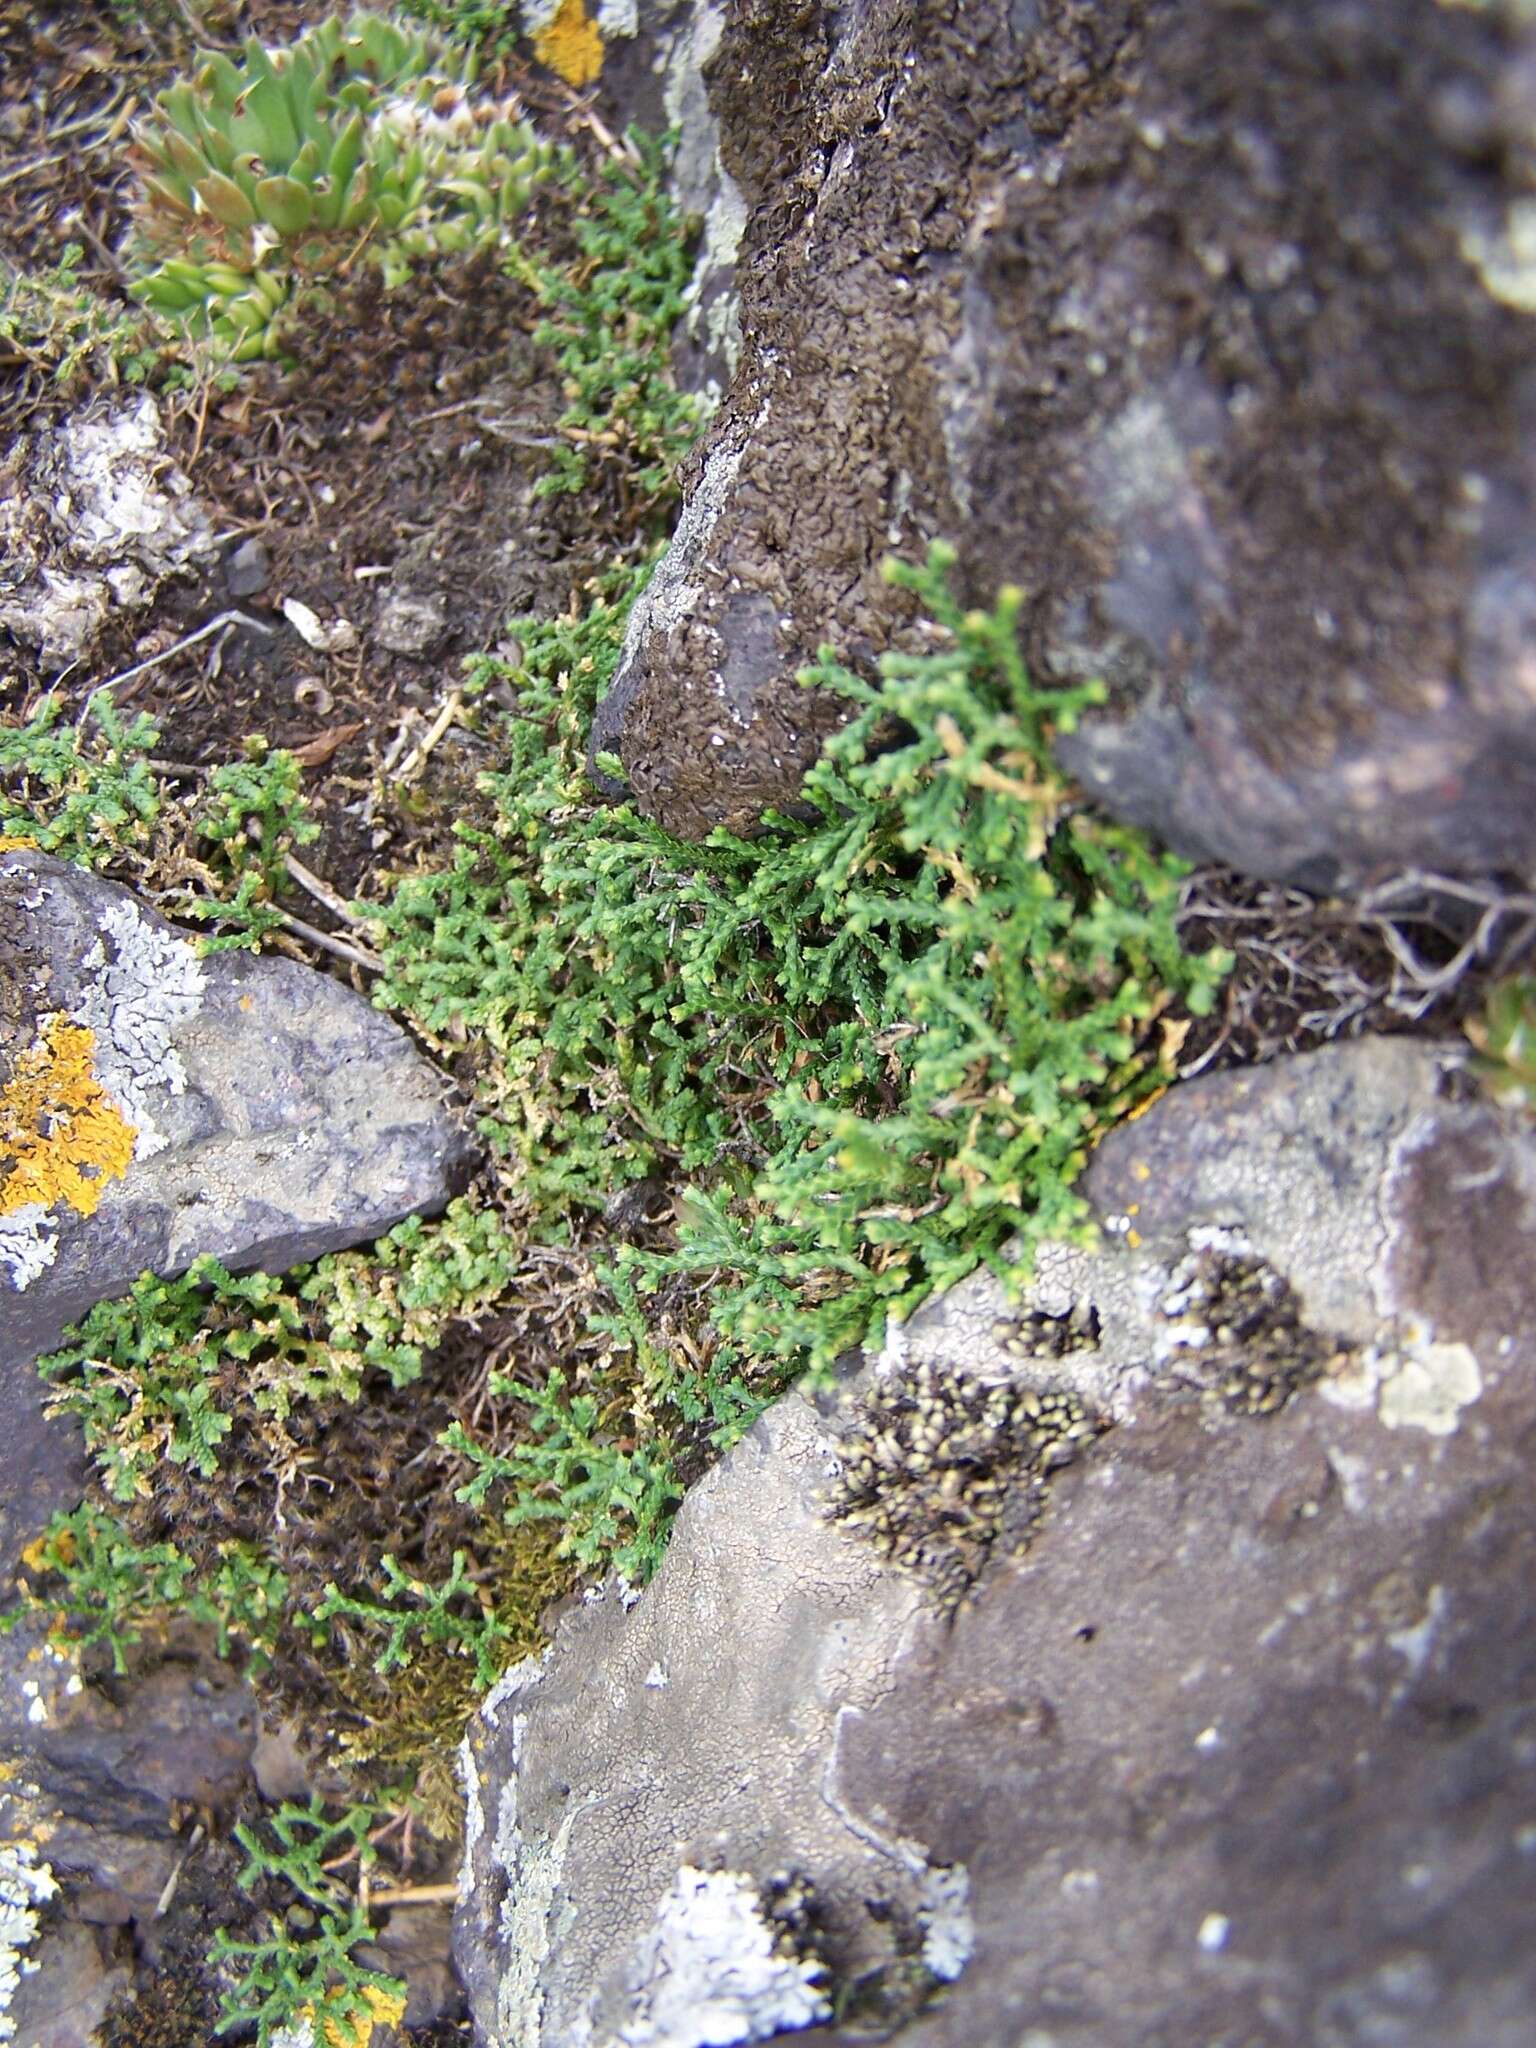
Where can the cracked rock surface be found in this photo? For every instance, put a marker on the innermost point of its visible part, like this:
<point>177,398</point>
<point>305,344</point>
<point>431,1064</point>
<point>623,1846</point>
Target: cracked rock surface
<point>1232,1741</point>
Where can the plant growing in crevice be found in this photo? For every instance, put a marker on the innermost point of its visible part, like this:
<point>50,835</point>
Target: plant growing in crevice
<point>609,319</point>
<point>163,1372</point>
<point>612,1500</point>
<point>409,1612</point>
<point>1505,1038</point>
<point>306,1970</point>
<point>251,815</point>
<point>97,1584</point>
<point>867,1050</point>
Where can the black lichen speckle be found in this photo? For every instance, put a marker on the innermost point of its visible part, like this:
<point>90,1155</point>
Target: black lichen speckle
<point>942,1465</point>
<point>1235,1326</point>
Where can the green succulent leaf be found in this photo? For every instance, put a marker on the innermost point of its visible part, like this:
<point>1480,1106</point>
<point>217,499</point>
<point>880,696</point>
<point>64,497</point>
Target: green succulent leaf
<point>285,204</point>
<point>225,201</point>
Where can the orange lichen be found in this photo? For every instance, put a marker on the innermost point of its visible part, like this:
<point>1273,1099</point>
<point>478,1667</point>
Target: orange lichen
<point>16,842</point>
<point>61,1132</point>
<point>571,43</point>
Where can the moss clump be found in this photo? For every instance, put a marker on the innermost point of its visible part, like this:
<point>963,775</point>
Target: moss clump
<point>873,1046</point>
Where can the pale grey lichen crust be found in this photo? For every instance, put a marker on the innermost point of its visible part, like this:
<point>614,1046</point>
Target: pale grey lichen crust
<point>150,983</point>
<point>143,984</point>
<point>26,1883</point>
<point>708,1972</point>
<point>28,1246</point>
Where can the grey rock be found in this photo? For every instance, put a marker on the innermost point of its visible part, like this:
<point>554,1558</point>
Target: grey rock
<point>115,1760</point>
<point>96,1780</point>
<point>64,1997</point>
<point>656,61</point>
<point>1209,331</point>
<point>261,1112</point>
<point>1232,1745</point>
<point>413,623</point>
<point>247,569</point>
<point>416,1944</point>
<point>93,515</point>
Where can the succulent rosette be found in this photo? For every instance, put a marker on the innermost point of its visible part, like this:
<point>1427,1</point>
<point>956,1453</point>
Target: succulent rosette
<point>364,140</point>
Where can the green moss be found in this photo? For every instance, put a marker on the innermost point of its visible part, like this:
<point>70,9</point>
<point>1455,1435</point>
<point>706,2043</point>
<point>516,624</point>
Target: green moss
<point>165,1372</point>
<point>96,1584</point>
<point>1505,1038</point>
<point>292,1974</point>
<point>876,1045</point>
<point>54,324</point>
<point>85,791</point>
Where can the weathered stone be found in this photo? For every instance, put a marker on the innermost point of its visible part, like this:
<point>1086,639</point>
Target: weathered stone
<point>94,1781</point>
<point>1231,1744</point>
<point>93,515</point>
<point>64,1996</point>
<point>1207,326</point>
<point>247,569</point>
<point>162,1105</point>
<point>412,623</point>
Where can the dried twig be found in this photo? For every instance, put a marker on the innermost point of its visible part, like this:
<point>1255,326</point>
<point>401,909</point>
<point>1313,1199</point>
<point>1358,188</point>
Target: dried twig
<point>322,891</point>
<point>344,949</point>
<point>418,1895</point>
<point>168,1892</point>
<point>415,761</point>
<point>128,675</point>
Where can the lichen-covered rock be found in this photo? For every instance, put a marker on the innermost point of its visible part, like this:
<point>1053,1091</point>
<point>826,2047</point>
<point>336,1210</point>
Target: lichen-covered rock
<point>94,1785</point>
<point>1227,1738</point>
<point>94,515</point>
<point>1206,327</point>
<point>156,1104</point>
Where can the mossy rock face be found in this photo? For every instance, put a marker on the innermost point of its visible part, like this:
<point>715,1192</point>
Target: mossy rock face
<point>1207,330</point>
<point>1228,1668</point>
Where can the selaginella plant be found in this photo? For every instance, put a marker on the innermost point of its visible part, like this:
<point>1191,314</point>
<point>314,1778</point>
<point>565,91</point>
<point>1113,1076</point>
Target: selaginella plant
<point>1505,1037</point>
<point>362,140</point>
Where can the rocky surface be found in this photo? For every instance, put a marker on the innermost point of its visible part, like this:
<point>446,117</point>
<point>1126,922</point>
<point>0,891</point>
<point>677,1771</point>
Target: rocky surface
<point>94,516</point>
<point>100,1784</point>
<point>153,1105</point>
<point>1204,324</point>
<point>1228,1738</point>
<point>251,1108</point>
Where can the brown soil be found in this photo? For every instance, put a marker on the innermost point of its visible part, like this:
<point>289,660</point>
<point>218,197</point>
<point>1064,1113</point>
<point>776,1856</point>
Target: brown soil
<point>400,454</point>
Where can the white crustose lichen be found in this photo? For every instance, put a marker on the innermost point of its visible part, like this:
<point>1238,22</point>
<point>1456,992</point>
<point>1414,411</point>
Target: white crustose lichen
<point>26,1883</point>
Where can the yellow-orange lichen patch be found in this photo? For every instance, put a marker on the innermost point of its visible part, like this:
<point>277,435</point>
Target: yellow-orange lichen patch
<point>571,43</point>
<point>353,2027</point>
<point>62,1137</point>
<point>16,842</point>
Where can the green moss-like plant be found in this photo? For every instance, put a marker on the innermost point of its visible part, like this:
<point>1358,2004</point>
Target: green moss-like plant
<point>85,791</point>
<point>96,1584</point>
<point>52,322</point>
<point>162,1373</point>
<point>289,1976</point>
<point>1505,1038</point>
<point>879,1044</point>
